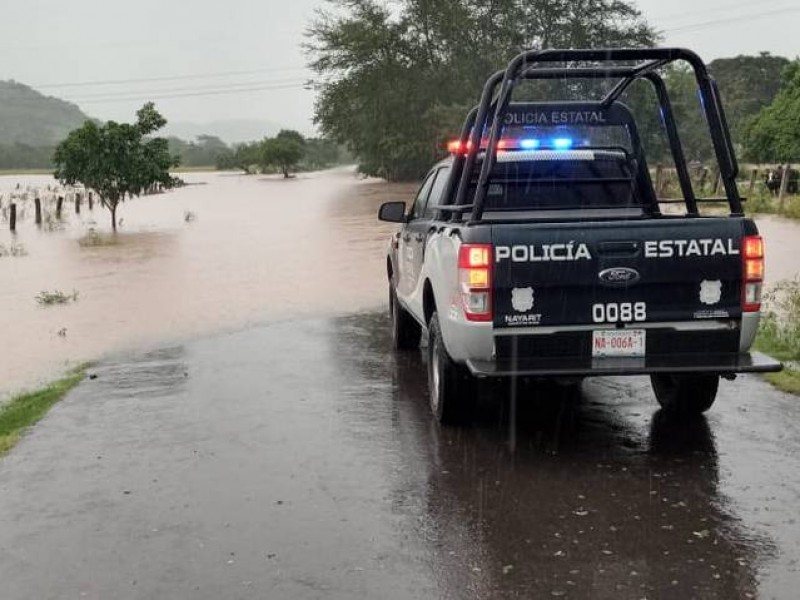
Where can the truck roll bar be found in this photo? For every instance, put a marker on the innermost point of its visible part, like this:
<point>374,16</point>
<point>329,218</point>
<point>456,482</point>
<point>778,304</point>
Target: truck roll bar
<point>496,97</point>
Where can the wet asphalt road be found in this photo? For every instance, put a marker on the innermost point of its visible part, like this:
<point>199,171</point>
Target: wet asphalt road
<point>298,460</point>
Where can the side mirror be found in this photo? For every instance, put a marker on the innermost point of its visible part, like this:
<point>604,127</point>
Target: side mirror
<point>393,212</point>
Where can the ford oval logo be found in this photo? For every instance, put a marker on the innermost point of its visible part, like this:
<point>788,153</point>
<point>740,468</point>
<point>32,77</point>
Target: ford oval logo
<point>619,276</point>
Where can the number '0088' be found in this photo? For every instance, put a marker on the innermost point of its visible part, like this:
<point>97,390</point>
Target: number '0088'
<point>625,312</point>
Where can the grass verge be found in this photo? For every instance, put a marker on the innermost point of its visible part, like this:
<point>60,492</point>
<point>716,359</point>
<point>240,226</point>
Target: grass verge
<point>779,334</point>
<point>761,204</point>
<point>787,380</point>
<point>25,410</point>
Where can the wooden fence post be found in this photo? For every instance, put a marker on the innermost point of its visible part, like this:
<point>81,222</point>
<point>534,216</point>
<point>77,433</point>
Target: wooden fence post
<point>59,205</point>
<point>784,186</point>
<point>752,187</point>
<point>659,176</point>
<point>77,203</point>
<point>91,201</point>
<point>38,205</point>
<point>703,176</point>
<point>12,217</point>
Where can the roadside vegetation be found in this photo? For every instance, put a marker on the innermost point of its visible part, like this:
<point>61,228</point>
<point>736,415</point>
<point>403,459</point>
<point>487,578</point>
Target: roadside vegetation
<point>24,410</point>
<point>765,203</point>
<point>779,334</point>
<point>395,92</point>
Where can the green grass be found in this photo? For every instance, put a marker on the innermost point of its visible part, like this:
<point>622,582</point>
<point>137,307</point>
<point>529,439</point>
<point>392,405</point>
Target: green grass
<point>787,380</point>
<point>26,171</point>
<point>779,333</point>
<point>767,204</point>
<point>25,410</point>
<point>194,169</point>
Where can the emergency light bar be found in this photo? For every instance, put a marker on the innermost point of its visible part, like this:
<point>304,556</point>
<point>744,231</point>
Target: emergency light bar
<point>559,143</point>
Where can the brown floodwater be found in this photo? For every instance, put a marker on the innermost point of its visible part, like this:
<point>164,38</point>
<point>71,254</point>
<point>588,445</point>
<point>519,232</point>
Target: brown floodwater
<point>257,249</point>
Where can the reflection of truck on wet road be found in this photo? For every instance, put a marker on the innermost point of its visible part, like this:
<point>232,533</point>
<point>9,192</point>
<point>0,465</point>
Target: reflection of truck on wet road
<point>540,249</point>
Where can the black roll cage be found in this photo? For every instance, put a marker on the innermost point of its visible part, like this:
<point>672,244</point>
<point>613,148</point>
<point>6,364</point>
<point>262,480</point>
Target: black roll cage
<point>494,105</point>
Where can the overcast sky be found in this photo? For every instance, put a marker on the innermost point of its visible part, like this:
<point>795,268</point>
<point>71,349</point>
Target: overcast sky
<point>202,50</point>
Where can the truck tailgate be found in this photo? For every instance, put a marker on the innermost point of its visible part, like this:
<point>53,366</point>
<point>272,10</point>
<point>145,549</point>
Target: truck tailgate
<point>623,272</point>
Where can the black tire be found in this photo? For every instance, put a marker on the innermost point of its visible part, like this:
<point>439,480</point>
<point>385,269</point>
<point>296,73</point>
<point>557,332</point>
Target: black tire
<point>685,394</point>
<point>452,388</point>
<point>406,332</point>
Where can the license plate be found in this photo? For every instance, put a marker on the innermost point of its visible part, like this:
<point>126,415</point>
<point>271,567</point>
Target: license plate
<point>621,342</point>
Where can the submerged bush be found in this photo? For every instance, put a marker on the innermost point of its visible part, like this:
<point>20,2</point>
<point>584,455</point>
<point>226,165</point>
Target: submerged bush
<point>13,250</point>
<point>56,297</point>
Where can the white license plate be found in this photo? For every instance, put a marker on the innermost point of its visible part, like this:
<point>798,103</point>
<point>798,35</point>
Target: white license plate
<point>620,342</point>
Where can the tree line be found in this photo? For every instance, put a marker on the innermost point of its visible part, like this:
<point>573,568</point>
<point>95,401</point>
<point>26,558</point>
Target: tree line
<point>287,152</point>
<point>395,82</point>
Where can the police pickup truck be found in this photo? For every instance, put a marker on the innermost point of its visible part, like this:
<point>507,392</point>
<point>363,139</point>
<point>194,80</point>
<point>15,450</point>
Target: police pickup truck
<point>540,248</point>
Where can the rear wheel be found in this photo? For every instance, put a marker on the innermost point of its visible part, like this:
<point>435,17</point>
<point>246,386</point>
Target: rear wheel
<point>406,332</point>
<point>685,394</point>
<point>451,386</point>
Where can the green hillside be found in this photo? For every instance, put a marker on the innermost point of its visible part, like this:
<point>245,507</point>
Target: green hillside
<point>33,119</point>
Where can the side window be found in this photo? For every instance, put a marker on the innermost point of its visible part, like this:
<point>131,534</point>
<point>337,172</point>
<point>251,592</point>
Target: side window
<point>435,199</point>
<point>422,196</point>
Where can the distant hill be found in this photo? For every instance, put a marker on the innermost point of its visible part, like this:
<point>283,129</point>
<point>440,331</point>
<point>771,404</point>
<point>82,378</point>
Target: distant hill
<point>230,131</point>
<point>33,119</point>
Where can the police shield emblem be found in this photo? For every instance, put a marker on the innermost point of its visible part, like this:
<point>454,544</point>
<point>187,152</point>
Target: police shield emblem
<point>710,292</point>
<point>522,299</point>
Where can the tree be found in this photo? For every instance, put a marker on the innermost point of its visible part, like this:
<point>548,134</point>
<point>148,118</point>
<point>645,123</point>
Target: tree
<point>246,156</point>
<point>283,151</point>
<point>747,85</point>
<point>117,160</point>
<point>397,80</point>
<point>774,135</point>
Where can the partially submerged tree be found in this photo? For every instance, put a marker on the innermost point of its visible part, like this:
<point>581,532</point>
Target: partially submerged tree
<point>117,160</point>
<point>246,156</point>
<point>284,151</point>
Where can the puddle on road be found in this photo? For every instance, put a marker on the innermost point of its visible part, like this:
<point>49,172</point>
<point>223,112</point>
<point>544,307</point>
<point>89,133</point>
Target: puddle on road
<point>258,248</point>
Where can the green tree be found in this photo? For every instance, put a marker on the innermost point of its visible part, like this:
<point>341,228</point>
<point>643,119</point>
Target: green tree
<point>747,85</point>
<point>247,156</point>
<point>284,151</point>
<point>117,160</point>
<point>774,135</point>
<point>396,81</point>
<point>321,153</point>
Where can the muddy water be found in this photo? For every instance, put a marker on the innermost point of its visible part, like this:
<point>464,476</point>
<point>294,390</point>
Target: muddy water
<point>258,248</point>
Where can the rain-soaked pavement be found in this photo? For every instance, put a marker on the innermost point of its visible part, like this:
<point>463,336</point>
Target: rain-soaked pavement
<point>298,460</point>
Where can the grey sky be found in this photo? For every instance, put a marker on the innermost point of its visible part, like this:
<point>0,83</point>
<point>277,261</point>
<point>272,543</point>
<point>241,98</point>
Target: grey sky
<point>46,42</point>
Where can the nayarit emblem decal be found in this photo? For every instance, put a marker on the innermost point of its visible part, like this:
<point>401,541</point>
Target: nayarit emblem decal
<point>522,299</point>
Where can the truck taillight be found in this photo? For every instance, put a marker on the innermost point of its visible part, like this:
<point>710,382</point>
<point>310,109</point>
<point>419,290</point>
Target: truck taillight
<point>752,272</point>
<point>475,279</point>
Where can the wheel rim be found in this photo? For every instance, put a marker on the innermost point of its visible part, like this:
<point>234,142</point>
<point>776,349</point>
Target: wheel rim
<point>436,360</point>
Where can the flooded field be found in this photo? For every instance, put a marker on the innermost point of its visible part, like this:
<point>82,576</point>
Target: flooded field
<point>253,248</point>
<point>226,251</point>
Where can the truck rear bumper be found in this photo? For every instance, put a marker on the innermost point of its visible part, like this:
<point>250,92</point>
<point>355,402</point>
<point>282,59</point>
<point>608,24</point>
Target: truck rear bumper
<point>747,362</point>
